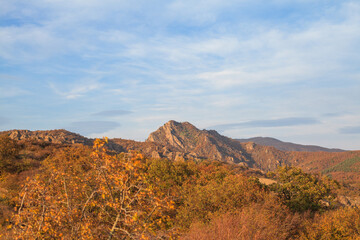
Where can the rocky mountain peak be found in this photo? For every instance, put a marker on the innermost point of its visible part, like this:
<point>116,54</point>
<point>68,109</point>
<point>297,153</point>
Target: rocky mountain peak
<point>179,125</point>
<point>179,135</point>
<point>209,144</point>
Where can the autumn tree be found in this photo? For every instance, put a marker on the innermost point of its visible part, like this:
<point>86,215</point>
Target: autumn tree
<point>203,201</point>
<point>90,195</point>
<point>302,191</point>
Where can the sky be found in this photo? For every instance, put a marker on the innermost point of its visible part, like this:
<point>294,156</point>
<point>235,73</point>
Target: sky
<point>288,69</point>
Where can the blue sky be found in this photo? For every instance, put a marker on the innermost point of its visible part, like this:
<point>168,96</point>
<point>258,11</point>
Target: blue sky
<point>285,68</point>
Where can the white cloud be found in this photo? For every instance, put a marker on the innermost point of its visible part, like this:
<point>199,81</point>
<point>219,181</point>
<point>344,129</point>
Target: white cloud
<point>77,89</point>
<point>29,43</point>
<point>307,55</point>
<point>197,12</point>
<point>11,91</point>
<point>186,59</point>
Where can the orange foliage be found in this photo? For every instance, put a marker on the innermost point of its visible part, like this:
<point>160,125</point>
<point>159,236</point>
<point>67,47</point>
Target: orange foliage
<point>341,224</point>
<point>83,193</point>
<point>261,221</point>
<point>80,195</point>
<point>204,200</point>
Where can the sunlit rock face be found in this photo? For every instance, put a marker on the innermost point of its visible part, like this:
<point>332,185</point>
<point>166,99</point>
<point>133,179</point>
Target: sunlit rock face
<point>209,144</point>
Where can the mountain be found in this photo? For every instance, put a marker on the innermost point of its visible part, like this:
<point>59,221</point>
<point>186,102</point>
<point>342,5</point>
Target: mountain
<point>182,141</point>
<point>288,146</point>
<point>208,144</point>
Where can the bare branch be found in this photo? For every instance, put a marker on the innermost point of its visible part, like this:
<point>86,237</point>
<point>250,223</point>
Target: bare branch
<point>22,201</point>
<point>114,226</point>
<point>66,194</point>
<point>87,201</point>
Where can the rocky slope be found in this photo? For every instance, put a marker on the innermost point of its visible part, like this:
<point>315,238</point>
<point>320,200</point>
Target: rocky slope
<point>60,136</point>
<point>154,150</point>
<point>175,141</point>
<point>204,144</point>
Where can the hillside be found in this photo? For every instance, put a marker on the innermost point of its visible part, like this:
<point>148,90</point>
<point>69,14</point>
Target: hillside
<point>188,141</point>
<point>288,146</point>
<point>175,141</point>
<point>181,141</point>
<point>59,136</point>
<point>73,191</point>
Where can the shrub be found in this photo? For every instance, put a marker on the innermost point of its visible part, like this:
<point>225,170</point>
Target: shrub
<point>302,191</point>
<point>203,201</point>
<point>339,224</point>
<point>9,151</point>
<point>261,221</point>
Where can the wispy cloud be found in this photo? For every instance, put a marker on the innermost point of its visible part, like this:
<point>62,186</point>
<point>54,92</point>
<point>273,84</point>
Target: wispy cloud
<point>112,113</point>
<point>205,62</point>
<point>334,114</point>
<point>75,90</point>
<point>350,130</point>
<point>37,43</point>
<point>7,92</point>
<point>281,122</point>
<point>92,127</point>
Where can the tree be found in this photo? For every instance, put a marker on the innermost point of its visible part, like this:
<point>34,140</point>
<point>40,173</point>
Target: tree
<point>203,201</point>
<point>90,195</point>
<point>302,191</point>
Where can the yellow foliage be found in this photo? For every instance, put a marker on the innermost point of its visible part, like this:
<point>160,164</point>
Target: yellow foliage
<point>95,195</point>
<point>341,224</point>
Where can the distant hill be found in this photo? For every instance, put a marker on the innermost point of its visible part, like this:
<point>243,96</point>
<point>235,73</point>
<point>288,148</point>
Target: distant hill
<point>288,146</point>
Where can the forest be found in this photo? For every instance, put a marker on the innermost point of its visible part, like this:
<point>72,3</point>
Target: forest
<point>59,191</point>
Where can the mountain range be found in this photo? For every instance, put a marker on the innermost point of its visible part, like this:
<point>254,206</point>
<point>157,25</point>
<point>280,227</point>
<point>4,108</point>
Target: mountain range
<point>182,141</point>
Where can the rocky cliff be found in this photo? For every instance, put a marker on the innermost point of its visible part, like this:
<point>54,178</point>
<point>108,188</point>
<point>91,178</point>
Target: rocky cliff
<point>208,144</point>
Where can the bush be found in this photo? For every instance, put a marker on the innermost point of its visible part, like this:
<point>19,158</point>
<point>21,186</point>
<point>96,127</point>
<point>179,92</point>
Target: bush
<point>261,221</point>
<point>202,202</point>
<point>9,151</point>
<point>340,224</point>
<point>302,191</point>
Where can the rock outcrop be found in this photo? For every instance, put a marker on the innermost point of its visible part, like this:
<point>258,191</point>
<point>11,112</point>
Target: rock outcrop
<point>60,136</point>
<point>208,144</point>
